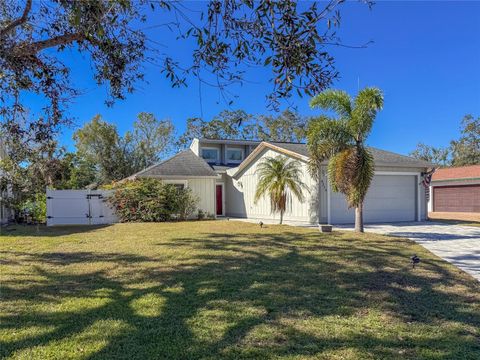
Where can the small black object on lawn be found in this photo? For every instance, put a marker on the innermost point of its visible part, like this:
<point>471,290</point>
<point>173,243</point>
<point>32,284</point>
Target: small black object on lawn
<point>415,260</point>
<point>261,224</point>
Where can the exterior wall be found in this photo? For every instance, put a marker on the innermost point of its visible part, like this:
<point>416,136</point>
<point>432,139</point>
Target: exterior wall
<point>204,188</point>
<point>240,196</point>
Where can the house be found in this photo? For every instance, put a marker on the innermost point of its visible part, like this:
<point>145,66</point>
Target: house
<point>455,189</point>
<point>223,174</point>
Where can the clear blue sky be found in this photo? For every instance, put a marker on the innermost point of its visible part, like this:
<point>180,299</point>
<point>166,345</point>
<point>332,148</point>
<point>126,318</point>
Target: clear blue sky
<point>425,57</point>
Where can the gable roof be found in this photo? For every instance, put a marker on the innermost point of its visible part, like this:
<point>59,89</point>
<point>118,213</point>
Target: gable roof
<point>300,151</point>
<point>184,164</point>
<point>463,172</point>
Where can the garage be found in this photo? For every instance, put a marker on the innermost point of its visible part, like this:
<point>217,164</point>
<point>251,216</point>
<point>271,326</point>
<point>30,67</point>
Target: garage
<point>390,198</point>
<point>456,198</point>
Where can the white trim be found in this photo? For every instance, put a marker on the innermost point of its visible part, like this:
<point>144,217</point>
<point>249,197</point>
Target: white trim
<point>180,177</point>
<point>182,182</point>
<point>397,172</point>
<point>222,183</point>
<point>210,148</point>
<point>418,197</point>
<point>234,161</point>
<point>329,209</point>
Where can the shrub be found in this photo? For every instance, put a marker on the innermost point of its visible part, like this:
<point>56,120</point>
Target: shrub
<point>35,208</point>
<point>151,200</point>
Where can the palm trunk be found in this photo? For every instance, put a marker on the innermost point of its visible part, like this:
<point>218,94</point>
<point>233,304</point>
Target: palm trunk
<point>281,217</point>
<point>359,218</point>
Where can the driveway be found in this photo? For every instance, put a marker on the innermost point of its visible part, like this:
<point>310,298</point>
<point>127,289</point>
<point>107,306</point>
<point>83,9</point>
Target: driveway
<point>459,245</point>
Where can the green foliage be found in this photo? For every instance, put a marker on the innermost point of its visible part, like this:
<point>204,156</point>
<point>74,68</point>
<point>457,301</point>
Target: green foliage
<point>439,156</point>
<point>278,176</point>
<point>462,152</point>
<point>115,157</point>
<point>112,36</point>
<point>466,150</point>
<point>149,200</point>
<point>287,126</point>
<point>341,140</point>
<point>35,208</point>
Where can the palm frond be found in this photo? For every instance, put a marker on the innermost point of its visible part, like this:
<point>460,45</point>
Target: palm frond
<point>367,104</point>
<point>334,100</point>
<point>278,175</point>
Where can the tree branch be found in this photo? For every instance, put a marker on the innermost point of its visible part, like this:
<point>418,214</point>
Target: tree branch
<point>18,21</point>
<point>52,42</point>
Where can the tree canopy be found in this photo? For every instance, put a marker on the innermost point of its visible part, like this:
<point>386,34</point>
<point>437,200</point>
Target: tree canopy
<point>288,37</point>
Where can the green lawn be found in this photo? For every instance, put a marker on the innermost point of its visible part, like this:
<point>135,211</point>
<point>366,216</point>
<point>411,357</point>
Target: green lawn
<point>229,290</point>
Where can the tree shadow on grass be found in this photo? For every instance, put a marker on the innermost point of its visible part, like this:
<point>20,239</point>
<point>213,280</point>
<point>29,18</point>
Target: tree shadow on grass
<point>250,296</point>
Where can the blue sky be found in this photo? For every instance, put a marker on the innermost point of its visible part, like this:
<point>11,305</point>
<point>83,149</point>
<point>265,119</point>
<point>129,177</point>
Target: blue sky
<point>425,57</point>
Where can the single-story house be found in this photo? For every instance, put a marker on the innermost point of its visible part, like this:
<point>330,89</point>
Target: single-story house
<point>455,189</point>
<point>223,174</point>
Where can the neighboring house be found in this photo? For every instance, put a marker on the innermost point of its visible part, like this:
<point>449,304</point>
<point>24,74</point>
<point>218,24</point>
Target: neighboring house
<point>223,174</point>
<point>455,189</point>
<point>5,213</point>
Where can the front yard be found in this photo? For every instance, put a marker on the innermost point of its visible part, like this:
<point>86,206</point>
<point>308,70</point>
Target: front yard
<point>224,289</point>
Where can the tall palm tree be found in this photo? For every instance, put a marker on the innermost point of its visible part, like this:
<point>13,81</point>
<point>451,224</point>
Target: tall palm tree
<point>341,139</point>
<point>277,176</point>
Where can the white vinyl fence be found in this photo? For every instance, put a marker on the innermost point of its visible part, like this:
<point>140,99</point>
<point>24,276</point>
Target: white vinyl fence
<point>79,207</point>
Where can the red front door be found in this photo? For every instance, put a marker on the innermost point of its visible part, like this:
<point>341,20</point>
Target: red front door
<point>219,200</point>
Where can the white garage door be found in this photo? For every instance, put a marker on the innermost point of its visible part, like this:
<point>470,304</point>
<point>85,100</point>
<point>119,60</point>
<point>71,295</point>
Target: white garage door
<point>390,198</point>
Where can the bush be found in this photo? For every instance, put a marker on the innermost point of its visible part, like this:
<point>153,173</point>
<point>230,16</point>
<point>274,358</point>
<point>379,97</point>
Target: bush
<point>151,200</point>
<point>35,208</point>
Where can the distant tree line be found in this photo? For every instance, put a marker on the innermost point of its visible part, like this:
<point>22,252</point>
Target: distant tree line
<point>461,152</point>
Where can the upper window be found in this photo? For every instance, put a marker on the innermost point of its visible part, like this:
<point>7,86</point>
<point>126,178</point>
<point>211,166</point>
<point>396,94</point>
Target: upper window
<point>210,155</point>
<point>234,156</point>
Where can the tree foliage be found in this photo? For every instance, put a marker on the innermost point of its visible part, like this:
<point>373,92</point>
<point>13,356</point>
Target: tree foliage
<point>466,150</point>
<point>116,157</point>
<point>435,155</point>
<point>462,152</point>
<point>287,126</point>
<point>149,199</point>
<point>341,141</point>
<point>288,37</point>
<point>277,177</point>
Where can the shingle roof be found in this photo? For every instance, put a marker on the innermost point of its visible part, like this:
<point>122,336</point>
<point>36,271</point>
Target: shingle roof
<point>380,156</point>
<point>185,163</point>
<point>463,172</point>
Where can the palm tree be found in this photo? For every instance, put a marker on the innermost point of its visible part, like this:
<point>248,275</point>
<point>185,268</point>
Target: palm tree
<point>342,140</point>
<point>277,176</point>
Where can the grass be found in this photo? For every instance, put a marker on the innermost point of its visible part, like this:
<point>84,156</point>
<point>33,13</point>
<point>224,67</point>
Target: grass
<point>229,290</point>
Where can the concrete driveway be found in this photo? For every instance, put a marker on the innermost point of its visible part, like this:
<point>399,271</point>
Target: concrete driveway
<point>459,245</point>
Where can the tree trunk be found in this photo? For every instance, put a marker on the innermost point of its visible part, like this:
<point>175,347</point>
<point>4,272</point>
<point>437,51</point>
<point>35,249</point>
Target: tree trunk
<point>281,217</point>
<point>359,218</point>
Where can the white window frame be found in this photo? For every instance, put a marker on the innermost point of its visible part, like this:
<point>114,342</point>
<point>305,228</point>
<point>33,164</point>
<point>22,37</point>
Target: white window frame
<point>182,182</point>
<point>227,161</point>
<point>217,150</point>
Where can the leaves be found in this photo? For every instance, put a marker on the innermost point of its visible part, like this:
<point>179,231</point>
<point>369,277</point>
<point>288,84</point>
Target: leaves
<point>341,140</point>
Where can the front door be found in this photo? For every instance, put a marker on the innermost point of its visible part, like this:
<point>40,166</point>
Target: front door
<point>219,198</point>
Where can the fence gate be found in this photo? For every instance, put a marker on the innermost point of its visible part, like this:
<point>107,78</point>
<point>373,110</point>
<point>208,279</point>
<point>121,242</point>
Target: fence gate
<point>78,207</point>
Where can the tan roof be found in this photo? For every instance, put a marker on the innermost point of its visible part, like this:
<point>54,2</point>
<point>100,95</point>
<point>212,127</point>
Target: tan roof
<point>463,172</point>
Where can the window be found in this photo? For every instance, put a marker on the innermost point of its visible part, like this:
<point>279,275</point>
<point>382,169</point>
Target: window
<point>234,156</point>
<point>210,155</point>
<point>179,184</point>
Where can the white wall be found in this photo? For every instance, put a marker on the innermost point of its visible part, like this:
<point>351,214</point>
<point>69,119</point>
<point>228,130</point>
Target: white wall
<point>240,196</point>
<point>205,190</point>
